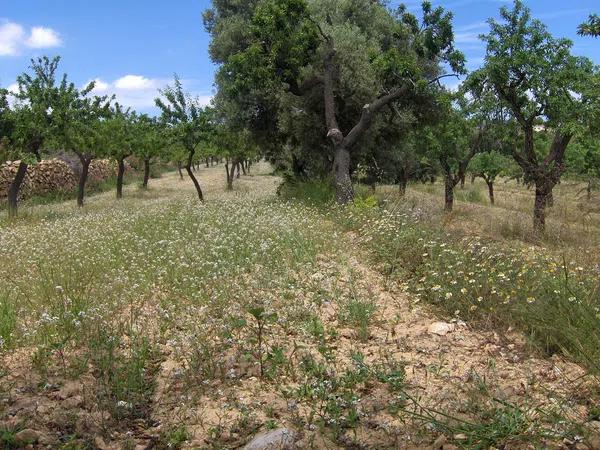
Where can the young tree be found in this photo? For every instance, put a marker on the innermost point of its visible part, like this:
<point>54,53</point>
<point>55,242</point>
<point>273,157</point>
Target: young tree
<point>535,77</point>
<point>118,128</point>
<point>236,147</point>
<point>149,143</point>
<point>81,127</point>
<point>188,123</point>
<point>454,142</point>
<point>33,112</point>
<point>489,166</point>
<point>591,27</point>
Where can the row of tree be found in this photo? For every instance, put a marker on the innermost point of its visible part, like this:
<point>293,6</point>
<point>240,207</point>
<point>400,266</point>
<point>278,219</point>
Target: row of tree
<point>51,115</point>
<point>348,87</point>
<point>47,115</point>
<point>337,89</point>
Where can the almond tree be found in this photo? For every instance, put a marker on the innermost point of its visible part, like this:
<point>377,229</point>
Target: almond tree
<point>81,128</point>
<point>119,130</point>
<point>187,121</point>
<point>33,112</point>
<point>535,77</point>
<point>149,143</point>
<point>453,142</point>
<point>489,166</point>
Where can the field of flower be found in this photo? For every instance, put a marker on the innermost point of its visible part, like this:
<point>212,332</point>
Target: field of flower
<point>158,322</point>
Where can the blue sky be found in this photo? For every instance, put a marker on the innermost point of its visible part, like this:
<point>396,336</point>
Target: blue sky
<point>133,47</point>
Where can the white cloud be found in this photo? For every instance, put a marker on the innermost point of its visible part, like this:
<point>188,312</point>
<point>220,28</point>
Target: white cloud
<point>42,37</point>
<point>139,92</point>
<point>134,83</point>
<point>11,37</point>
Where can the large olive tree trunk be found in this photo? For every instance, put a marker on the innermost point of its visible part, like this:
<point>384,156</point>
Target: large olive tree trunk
<point>343,144</point>
<point>344,192</point>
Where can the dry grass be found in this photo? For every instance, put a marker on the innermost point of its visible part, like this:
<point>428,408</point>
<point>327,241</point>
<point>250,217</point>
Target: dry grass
<point>573,223</point>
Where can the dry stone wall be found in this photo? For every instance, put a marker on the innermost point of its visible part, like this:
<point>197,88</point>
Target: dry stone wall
<point>52,175</point>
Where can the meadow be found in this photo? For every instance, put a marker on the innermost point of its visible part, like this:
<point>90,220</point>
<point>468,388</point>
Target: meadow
<point>160,322</point>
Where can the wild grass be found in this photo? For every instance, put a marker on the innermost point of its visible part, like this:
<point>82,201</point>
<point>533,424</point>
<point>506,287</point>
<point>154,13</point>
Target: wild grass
<point>251,312</point>
<point>495,278</point>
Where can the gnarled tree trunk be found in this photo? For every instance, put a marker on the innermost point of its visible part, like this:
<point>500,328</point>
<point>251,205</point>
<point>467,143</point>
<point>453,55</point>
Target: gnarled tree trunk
<point>344,192</point>
<point>490,185</point>
<point>17,182</point>
<point>230,172</point>
<point>342,145</point>
<point>179,170</point>
<point>539,209</point>
<point>402,181</point>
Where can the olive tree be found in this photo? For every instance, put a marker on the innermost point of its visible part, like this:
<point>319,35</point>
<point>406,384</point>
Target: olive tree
<point>344,61</point>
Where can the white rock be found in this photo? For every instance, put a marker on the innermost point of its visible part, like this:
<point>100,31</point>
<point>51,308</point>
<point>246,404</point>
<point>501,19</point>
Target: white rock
<point>282,438</point>
<point>441,328</point>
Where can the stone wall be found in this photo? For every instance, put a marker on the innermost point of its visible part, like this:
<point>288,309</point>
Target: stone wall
<point>52,175</point>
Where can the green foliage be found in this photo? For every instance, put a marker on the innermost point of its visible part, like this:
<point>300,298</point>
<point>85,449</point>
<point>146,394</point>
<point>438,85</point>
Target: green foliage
<point>358,313</point>
<point>124,374</point>
<point>591,27</point>
<point>79,124</point>
<point>183,114</point>
<point>272,53</point>
<point>489,165</point>
<point>34,110</point>
<point>365,202</point>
